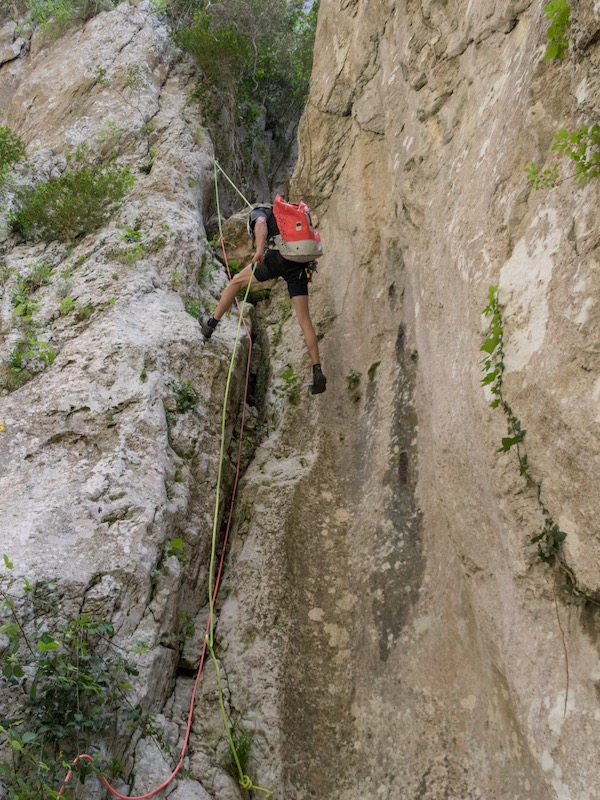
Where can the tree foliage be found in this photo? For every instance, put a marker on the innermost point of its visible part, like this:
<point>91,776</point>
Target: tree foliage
<point>76,203</point>
<point>256,59</point>
<point>12,150</point>
<point>558,12</point>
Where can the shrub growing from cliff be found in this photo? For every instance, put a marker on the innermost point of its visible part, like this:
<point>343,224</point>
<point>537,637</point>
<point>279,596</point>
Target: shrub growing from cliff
<point>54,17</point>
<point>558,13</point>
<point>256,58</point>
<point>62,683</point>
<point>581,146</point>
<point>12,150</point>
<point>76,203</point>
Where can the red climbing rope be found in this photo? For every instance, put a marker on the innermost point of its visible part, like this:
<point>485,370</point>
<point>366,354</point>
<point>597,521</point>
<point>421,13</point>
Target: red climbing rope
<point>85,756</point>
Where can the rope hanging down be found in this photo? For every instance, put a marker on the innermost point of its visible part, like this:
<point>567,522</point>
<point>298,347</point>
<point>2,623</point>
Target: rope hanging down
<point>244,780</point>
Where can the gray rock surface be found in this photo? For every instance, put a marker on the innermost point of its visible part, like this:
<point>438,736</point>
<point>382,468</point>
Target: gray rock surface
<point>384,630</point>
<point>99,468</point>
<point>399,638</point>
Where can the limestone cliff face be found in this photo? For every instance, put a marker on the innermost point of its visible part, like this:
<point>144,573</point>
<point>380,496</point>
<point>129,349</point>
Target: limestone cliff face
<point>102,465</point>
<point>423,649</point>
<point>385,631</point>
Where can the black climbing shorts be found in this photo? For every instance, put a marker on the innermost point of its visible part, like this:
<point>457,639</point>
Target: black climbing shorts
<point>276,266</point>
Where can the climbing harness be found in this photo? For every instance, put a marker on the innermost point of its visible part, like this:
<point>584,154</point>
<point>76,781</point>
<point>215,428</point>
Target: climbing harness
<point>213,580</point>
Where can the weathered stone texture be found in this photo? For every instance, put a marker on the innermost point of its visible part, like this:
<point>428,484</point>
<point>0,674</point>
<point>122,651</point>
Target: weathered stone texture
<point>384,631</point>
<point>99,469</point>
<point>427,651</point>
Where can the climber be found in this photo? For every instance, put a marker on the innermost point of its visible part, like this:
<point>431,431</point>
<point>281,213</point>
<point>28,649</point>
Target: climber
<point>267,265</point>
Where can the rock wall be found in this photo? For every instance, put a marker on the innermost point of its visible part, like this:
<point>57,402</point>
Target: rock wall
<point>399,633</point>
<point>385,630</point>
<point>105,459</point>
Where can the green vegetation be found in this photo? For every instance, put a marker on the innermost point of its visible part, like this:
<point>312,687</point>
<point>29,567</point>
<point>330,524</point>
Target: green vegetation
<point>184,396</point>
<point>40,275</point>
<point>242,743</point>
<point>109,138</point>
<point>12,151</point>
<point>127,255</point>
<point>84,313</point>
<point>353,379</point>
<point>289,386</point>
<point>54,17</point>
<point>285,304</point>
<point>30,354</point>
<point>550,538</point>
<point>62,683</point>
<point>558,13</point>
<point>582,146</point>
<point>371,372</point>
<point>72,205</point>
<point>176,548</point>
<point>256,58</point>
<point>193,307</point>
<point>66,305</point>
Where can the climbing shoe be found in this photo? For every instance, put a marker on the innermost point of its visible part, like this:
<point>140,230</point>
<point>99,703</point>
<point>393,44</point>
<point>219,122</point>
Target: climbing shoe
<point>207,324</point>
<point>319,383</point>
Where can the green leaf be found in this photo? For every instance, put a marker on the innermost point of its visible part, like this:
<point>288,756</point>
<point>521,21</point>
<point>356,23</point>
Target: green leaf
<point>490,345</point>
<point>523,465</point>
<point>548,558</point>
<point>490,377</point>
<point>7,563</point>
<point>46,643</point>
<point>510,441</point>
<point>558,536</point>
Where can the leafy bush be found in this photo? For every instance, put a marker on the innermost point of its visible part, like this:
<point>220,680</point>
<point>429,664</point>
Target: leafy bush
<point>76,203</point>
<point>581,146</point>
<point>12,150</point>
<point>54,17</point>
<point>559,14</point>
<point>66,305</point>
<point>220,50</point>
<point>289,385</point>
<point>62,684</point>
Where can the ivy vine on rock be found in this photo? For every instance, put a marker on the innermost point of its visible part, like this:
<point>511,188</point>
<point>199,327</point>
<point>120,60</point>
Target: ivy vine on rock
<point>558,13</point>
<point>550,539</point>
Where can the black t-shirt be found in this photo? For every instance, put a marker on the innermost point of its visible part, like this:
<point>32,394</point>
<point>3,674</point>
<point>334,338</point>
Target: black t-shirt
<point>266,213</point>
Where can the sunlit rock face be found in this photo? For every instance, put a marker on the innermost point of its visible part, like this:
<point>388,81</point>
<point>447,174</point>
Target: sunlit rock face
<point>427,651</point>
<point>385,629</point>
<point>110,453</point>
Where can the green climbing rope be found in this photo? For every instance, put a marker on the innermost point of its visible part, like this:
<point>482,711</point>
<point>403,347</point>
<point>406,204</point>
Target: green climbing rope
<point>226,176</point>
<point>244,780</point>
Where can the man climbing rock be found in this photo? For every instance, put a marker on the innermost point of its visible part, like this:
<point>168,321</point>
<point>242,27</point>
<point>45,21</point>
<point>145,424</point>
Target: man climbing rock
<point>271,264</point>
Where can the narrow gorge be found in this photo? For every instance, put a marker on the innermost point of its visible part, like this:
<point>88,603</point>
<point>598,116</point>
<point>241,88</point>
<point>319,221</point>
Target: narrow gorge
<point>386,628</point>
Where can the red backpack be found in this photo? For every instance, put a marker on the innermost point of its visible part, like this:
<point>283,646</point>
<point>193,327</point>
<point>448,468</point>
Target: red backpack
<point>298,240</point>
